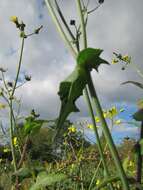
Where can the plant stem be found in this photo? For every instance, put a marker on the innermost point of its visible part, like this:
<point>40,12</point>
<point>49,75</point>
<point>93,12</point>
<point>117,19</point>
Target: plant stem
<point>108,136</point>
<point>84,37</point>
<point>99,110</point>
<point>11,108</point>
<point>11,138</point>
<point>18,69</point>
<point>59,27</point>
<point>55,19</point>
<point>139,159</point>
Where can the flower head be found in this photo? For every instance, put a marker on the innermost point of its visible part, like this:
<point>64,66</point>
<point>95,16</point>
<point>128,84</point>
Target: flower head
<point>98,182</point>
<point>15,141</point>
<point>72,129</point>
<point>14,19</point>
<point>114,61</point>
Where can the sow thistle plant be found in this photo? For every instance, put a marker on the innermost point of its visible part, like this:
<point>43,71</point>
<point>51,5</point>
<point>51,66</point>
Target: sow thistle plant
<point>7,93</point>
<point>80,82</point>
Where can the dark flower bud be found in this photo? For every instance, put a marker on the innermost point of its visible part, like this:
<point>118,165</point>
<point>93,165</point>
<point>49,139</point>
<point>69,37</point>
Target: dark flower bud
<point>38,29</point>
<point>2,69</point>
<point>27,78</point>
<point>100,1</point>
<point>22,26</point>
<point>72,22</point>
<point>35,115</point>
<point>10,84</point>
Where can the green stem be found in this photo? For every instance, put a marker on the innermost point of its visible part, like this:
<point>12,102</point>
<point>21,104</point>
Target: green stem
<point>11,107</point>
<point>55,19</point>
<point>101,152</point>
<point>11,138</point>
<point>100,113</point>
<point>18,69</point>
<point>107,135</point>
<point>84,37</point>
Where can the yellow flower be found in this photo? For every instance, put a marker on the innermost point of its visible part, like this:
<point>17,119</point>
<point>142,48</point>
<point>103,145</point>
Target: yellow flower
<point>131,163</point>
<point>14,19</point>
<point>114,61</point>
<point>90,126</point>
<point>97,119</point>
<point>126,58</point>
<point>117,122</point>
<point>15,141</point>
<point>98,182</point>
<point>6,150</point>
<point>72,129</point>
<point>2,106</point>
<point>105,114</point>
<point>112,112</point>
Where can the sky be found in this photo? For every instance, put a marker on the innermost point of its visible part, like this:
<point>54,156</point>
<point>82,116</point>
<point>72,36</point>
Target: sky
<point>115,26</point>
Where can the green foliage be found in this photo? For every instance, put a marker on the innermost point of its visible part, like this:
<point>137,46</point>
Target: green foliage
<point>32,125</point>
<point>72,87</point>
<point>22,173</point>
<point>44,179</point>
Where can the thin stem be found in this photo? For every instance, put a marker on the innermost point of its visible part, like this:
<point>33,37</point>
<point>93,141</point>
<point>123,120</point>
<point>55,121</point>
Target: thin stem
<point>59,27</point>
<point>11,137</point>
<point>18,69</point>
<point>11,107</point>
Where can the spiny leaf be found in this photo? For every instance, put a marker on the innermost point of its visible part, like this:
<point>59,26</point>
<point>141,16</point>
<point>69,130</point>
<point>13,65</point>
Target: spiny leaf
<point>89,58</point>
<point>140,85</point>
<point>44,179</point>
<point>72,87</point>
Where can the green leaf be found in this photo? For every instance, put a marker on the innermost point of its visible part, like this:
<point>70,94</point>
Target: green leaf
<point>138,116</point>
<point>32,125</point>
<point>89,58</point>
<point>134,83</point>
<point>44,179</point>
<point>72,87</point>
<point>22,173</point>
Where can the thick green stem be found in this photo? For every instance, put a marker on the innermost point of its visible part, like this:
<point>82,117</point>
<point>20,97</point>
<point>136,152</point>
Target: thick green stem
<point>84,37</point>
<point>107,135</point>
<point>100,113</point>
<point>55,19</point>
<point>101,152</point>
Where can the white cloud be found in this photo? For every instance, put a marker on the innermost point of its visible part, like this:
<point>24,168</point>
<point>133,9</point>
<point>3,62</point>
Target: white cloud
<point>115,26</point>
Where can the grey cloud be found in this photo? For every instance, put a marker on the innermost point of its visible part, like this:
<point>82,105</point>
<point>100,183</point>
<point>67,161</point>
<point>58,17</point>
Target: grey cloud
<point>116,26</point>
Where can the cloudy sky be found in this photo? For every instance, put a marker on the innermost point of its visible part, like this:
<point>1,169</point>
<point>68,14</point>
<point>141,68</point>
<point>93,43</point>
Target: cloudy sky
<point>115,26</point>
